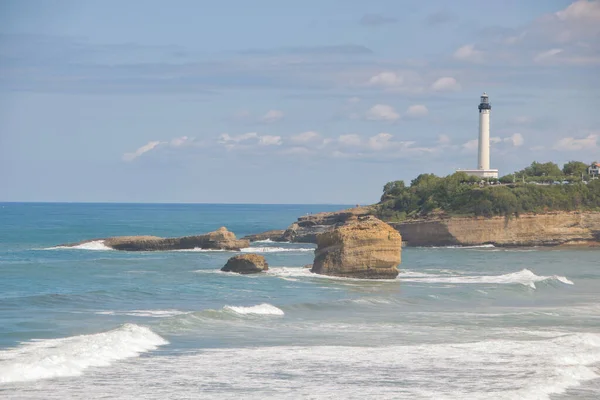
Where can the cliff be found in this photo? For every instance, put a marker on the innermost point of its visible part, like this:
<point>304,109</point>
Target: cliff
<point>548,229</point>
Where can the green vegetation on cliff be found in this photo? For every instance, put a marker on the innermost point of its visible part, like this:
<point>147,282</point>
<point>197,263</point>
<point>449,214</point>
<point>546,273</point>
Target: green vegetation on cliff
<point>460,194</point>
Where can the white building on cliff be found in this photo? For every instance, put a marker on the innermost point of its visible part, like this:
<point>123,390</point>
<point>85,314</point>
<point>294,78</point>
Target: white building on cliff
<point>483,155</point>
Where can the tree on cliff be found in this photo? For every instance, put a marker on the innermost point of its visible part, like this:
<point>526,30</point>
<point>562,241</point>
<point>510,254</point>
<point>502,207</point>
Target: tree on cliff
<point>460,195</point>
<point>576,168</point>
<point>541,169</point>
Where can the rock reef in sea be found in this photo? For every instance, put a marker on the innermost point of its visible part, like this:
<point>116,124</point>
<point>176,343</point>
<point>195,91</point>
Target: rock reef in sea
<point>221,239</point>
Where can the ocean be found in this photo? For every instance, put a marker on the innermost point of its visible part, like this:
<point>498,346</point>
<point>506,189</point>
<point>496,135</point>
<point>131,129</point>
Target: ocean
<point>457,323</point>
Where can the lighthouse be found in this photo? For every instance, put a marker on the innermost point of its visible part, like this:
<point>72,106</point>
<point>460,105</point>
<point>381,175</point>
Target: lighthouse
<point>485,108</point>
<point>483,154</point>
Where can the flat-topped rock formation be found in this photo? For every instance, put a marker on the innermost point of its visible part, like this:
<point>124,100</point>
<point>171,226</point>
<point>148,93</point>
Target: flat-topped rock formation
<point>363,247</point>
<point>559,228</point>
<point>246,264</point>
<point>274,235</point>
<point>548,229</point>
<point>221,239</point>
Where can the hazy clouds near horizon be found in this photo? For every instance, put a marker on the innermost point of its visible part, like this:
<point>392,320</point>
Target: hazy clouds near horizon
<point>311,102</point>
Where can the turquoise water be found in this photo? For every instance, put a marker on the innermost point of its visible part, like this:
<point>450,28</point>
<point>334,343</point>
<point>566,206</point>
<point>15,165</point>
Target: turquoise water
<point>480,323</point>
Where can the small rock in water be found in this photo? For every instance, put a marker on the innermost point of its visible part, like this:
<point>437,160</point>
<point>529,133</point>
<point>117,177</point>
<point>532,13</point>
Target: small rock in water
<point>246,264</point>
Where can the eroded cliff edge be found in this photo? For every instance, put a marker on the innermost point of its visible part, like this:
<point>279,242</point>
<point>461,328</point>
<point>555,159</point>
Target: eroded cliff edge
<point>548,229</point>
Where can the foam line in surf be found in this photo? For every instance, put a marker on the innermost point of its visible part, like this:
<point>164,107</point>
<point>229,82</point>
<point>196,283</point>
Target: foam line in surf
<point>524,277</point>
<point>267,249</point>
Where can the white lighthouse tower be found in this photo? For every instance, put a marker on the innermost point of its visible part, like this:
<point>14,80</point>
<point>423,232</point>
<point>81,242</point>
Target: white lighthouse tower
<point>483,155</point>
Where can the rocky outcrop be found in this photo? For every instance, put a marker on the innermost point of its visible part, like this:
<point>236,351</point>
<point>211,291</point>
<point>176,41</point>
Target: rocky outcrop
<point>307,227</point>
<point>274,235</point>
<point>549,229</point>
<point>363,247</point>
<point>220,239</point>
<point>246,264</point>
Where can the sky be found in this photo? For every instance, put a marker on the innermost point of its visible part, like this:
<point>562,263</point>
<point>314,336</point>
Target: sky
<point>285,102</point>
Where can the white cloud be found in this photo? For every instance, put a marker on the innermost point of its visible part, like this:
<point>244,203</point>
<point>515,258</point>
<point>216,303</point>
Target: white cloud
<point>515,139</point>
<point>572,144</point>
<point>417,110</point>
<point>386,79</point>
<point>354,100</point>
<point>468,53</point>
<point>380,141</point>
<point>225,138</point>
<point>180,141</point>
<point>446,83</point>
<point>471,145</point>
<point>581,12</point>
<point>306,137</point>
<point>144,149</point>
<point>545,55</point>
<point>268,140</point>
<point>296,151</point>
<point>444,139</point>
<point>349,140</point>
<point>272,116</point>
<point>382,112</point>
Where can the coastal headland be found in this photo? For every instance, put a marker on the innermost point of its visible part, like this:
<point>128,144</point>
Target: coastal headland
<point>548,229</point>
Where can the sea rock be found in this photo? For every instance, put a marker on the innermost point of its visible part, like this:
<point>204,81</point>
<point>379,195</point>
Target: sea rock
<point>246,264</point>
<point>221,239</point>
<point>363,247</point>
<point>274,235</point>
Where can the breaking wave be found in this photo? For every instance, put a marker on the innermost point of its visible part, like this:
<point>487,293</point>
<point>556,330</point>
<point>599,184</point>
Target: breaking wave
<point>92,245</point>
<point>260,309</point>
<point>70,356</point>
<point>145,313</point>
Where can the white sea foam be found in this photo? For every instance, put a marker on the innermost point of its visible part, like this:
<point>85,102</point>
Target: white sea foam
<point>254,249</point>
<point>532,368</point>
<point>301,272</point>
<point>70,356</point>
<point>145,313</point>
<point>523,277</point>
<point>276,249</point>
<point>371,301</point>
<point>261,309</point>
<point>93,245</point>
<point>264,241</point>
<point>480,246</point>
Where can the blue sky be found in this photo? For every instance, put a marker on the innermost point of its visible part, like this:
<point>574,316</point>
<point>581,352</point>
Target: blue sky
<point>285,102</point>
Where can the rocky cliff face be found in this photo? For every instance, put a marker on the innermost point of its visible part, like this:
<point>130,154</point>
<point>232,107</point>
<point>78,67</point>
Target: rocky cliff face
<point>220,239</point>
<point>551,229</point>
<point>363,247</point>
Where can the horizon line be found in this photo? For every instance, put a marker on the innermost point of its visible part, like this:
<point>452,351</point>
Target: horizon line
<point>177,203</point>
